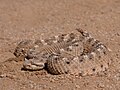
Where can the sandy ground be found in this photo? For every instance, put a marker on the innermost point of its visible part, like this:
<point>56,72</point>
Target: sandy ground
<point>35,19</point>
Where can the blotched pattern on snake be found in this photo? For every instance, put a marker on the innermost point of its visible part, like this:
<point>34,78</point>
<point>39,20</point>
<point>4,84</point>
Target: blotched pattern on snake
<point>75,53</point>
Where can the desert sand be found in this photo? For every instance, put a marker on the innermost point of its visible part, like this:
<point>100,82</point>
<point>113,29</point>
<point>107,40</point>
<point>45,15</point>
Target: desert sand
<point>36,19</point>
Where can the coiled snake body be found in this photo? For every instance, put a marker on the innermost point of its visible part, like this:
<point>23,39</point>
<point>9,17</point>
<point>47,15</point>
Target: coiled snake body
<point>73,53</point>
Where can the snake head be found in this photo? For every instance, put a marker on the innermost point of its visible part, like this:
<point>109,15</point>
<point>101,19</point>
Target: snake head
<point>33,64</point>
<point>35,60</point>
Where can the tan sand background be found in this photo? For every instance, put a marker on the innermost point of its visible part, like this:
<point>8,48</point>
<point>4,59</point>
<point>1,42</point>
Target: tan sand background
<point>35,19</point>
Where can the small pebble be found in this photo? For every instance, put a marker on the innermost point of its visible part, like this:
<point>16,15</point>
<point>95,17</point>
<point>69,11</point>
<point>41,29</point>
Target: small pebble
<point>101,85</point>
<point>77,86</point>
